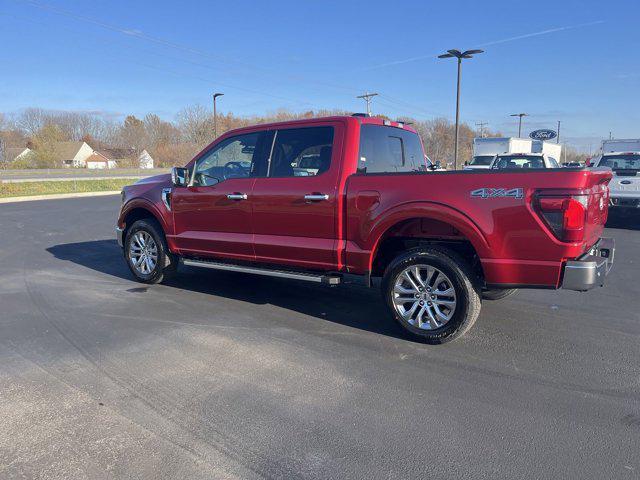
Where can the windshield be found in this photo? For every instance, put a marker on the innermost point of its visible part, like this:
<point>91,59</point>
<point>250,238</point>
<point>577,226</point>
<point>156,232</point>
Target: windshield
<point>628,161</point>
<point>518,161</point>
<point>481,160</point>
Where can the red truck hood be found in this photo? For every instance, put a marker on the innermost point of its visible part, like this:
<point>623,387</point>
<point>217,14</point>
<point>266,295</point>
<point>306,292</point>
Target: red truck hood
<point>162,178</point>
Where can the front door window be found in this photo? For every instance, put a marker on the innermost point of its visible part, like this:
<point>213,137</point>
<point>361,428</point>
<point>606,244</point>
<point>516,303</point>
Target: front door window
<point>232,158</point>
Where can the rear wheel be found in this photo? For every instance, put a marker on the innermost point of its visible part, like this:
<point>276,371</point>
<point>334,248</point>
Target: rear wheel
<point>430,292</point>
<point>147,254</point>
<point>498,293</point>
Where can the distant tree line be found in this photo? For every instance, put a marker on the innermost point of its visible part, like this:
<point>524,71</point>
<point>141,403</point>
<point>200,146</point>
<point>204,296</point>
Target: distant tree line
<point>176,142</point>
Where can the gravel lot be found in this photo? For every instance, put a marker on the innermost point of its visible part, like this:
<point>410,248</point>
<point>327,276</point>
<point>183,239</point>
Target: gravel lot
<point>223,375</point>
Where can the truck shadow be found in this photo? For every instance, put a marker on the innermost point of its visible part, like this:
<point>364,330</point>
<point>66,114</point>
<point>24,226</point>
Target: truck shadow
<point>628,220</point>
<point>349,304</point>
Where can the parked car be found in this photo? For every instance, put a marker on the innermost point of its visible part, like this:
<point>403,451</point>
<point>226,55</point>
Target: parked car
<point>524,161</point>
<point>625,186</point>
<point>439,241</point>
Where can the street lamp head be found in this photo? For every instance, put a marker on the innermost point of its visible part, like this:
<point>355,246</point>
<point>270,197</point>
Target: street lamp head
<point>458,54</point>
<point>216,95</point>
<point>519,114</point>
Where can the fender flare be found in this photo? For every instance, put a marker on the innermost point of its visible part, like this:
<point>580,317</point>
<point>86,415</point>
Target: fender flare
<point>428,210</point>
<point>143,203</point>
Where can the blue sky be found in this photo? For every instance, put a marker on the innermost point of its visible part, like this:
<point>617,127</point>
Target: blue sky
<point>574,61</point>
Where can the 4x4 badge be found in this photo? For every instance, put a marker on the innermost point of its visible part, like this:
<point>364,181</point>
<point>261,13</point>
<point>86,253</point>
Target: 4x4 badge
<point>498,193</point>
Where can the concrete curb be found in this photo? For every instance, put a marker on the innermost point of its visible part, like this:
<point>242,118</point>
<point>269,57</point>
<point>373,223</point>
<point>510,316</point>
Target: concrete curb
<point>57,196</point>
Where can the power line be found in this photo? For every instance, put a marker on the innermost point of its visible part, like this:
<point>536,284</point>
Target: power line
<point>410,106</point>
<point>481,125</point>
<point>367,98</point>
<point>184,48</point>
<point>209,81</point>
<point>134,34</point>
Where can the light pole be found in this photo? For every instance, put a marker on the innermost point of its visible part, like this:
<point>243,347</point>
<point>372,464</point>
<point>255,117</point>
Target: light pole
<point>459,55</point>
<point>520,121</point>
<point>215,115</point>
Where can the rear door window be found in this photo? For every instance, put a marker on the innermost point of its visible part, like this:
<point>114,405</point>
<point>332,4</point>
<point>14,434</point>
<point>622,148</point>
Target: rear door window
<point>301,152</point>
<point>389,150</point>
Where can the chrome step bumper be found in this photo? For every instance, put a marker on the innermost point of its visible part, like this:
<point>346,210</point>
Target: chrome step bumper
<point>590,270</point>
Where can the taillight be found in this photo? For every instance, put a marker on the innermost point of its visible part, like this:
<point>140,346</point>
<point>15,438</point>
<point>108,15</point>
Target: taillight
<point>564,215</point>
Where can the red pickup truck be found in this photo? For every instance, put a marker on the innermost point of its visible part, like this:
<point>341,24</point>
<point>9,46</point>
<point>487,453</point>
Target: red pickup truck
<point>315,199</point>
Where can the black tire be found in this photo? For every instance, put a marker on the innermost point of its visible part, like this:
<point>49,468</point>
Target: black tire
<point>462,279</point>
<point>498,293</point>
<point>166,264</point>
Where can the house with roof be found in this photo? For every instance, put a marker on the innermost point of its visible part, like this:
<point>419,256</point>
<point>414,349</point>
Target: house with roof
<point>99,161</point>
<point>128,156</point>
<point>73,154</point>
<point>11,154</point>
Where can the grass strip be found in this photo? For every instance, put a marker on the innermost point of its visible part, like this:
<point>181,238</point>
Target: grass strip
<point>50,188</point>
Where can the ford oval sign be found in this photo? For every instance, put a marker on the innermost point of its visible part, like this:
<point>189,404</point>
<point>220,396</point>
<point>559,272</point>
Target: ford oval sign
<point>543,134</point>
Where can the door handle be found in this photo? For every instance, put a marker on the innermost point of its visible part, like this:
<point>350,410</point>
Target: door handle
<point>316,197</point>
<point>237,196</point>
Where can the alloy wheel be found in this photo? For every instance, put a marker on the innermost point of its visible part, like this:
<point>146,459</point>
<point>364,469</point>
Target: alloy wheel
<point>424,297</point>
<point>143,252</point>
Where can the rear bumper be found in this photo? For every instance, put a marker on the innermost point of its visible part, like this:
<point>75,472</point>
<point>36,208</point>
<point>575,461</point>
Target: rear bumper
<point>120,236</point>
<point>590,270</point>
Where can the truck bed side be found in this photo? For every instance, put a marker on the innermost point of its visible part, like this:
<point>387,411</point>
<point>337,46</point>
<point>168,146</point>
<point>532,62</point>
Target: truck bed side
<point>492,211</point>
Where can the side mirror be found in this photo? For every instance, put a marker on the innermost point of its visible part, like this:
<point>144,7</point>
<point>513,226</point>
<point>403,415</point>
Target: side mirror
<point>466,163</point>
<point>437,165</point>
<point>179,176</point>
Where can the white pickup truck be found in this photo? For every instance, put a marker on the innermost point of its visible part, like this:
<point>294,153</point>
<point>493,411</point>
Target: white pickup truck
<point>623,157</point>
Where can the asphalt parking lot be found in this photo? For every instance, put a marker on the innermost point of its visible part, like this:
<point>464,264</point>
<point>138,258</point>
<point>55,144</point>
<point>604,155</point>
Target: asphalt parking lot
<point>223,375</point>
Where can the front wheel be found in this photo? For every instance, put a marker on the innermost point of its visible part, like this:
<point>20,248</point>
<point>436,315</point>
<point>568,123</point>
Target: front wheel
<point>147,254</point>
<point>430,292</point>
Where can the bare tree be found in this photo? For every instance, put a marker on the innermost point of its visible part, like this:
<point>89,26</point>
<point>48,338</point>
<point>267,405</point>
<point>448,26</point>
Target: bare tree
<point>196,124</point>
<point>133,133</point>
<point>31,120</point>
<point>160,132</point>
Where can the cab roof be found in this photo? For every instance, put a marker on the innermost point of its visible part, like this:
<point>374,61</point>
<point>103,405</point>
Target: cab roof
<point>341,118</point>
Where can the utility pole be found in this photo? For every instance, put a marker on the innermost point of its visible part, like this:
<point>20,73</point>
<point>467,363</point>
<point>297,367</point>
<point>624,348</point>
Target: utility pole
<point>459,56</point>
<point>215,115</point>
<point>520,121</point>
<point>481,125</point>
<point>558,132</point>
<point>367,98</point>
<point>610,136</point>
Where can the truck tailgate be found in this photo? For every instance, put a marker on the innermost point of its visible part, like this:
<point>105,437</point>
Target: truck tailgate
<point>597,207</point>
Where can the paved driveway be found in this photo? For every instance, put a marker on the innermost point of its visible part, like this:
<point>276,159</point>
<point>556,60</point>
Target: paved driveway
<point>223,375</point>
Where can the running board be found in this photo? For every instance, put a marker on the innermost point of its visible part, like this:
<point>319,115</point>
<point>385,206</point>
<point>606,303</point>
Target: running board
<point>307,277</point>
